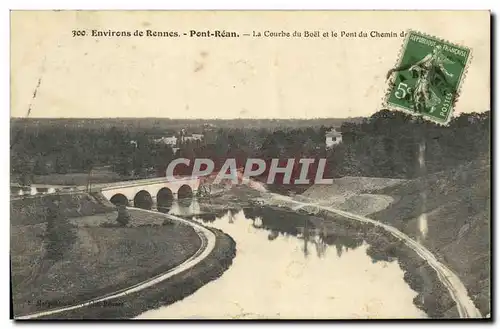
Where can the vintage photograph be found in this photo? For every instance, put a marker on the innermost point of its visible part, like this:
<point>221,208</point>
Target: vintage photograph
<point>250,165</point>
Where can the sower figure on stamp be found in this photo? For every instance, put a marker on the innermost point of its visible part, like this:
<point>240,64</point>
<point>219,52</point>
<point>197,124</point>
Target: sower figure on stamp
<point>426,71</point>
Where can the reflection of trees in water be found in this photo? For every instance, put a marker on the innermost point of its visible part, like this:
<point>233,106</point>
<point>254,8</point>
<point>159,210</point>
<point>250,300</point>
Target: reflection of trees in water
<point>185,207</point>
<point>305,235</point>
<point>211,217</point>
<point>315,236</point>
<point>279,220</point>
<point>273,235</point>
<point>340,233</point>
<point>257,222</point>
<point>250,213</point>
<point>320,245</point>
<point>343,241</point>
<point>207,217</point>
<point>220,213</point>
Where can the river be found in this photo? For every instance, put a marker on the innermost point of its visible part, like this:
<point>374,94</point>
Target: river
<point>285,267</point>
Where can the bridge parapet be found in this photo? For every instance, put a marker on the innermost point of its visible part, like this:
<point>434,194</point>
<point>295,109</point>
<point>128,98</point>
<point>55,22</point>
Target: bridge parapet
<point>149,189</point>
<point>143,182</point>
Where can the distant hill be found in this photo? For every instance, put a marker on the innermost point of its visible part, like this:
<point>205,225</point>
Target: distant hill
<point>177,124</point>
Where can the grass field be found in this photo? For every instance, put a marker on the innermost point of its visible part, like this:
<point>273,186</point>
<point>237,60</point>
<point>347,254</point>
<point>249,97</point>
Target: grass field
<point>78,179</point>
<point>102,260</point>
<point>32,210</point>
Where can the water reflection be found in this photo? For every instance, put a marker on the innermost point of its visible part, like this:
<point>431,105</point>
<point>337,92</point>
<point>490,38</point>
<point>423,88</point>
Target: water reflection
<point>273,235</point>
<point>288,267</point>
<point>165,206</point>
<point>183,207</point>
<point>300,226</point>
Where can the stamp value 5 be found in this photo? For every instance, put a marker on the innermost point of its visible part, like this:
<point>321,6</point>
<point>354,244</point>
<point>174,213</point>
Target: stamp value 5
<point>428,77</point>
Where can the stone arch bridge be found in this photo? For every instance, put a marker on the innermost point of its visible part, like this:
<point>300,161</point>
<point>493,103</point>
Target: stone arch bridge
<point>149,193</point>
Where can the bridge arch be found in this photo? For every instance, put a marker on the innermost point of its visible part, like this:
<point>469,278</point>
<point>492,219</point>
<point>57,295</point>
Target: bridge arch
<point>143,200</point>
<point>146,193</point>
<point>185,192</point>
<point>119,200</point>
<point>164,199</point>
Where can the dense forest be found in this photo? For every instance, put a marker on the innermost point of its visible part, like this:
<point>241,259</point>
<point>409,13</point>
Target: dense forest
<point>387,144</point>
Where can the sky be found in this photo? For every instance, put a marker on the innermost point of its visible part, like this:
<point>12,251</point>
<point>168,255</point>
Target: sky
<point>243,77</point>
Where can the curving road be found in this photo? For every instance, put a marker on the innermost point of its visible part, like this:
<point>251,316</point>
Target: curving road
<point>207,245</point>
<point>452,282</point>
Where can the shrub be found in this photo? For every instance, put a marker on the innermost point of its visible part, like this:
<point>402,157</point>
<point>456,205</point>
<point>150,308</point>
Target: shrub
<point>108,224</point>
<point>123,216</point>
<point>167,221</point>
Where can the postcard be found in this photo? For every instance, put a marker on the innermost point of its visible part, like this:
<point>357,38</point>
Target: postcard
<point>250,165</point>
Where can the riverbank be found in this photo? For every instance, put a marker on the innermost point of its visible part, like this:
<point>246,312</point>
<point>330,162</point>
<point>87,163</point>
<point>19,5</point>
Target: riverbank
<point>433,297</point>
<point>447,212</point>
<point>166,292</point>
<point>281,274</point>
<point>103,258</point>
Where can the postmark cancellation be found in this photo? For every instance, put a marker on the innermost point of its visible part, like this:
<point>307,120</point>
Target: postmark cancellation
<point>427,78</point>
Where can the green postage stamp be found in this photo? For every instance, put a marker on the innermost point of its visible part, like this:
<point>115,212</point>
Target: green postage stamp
<point>427,77</point>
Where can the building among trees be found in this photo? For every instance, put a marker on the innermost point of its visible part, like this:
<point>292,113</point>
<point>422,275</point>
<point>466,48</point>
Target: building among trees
<point>332,138</point>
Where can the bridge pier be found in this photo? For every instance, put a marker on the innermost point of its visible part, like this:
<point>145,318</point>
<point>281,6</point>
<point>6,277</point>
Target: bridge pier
<point>154,204</point>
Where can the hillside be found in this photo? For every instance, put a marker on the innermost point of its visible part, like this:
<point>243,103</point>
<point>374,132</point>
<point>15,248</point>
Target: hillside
<point>31,210</point>
<point>348,193</point>
<point>449,212</point>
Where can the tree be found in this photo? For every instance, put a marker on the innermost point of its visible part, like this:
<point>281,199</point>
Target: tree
<point>62,164</point>
<point>59,233</point>
<point>40,167</point>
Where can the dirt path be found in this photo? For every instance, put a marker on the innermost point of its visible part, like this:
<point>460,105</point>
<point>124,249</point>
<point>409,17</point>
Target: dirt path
<point>451,281</point>
<point>208,243</point>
